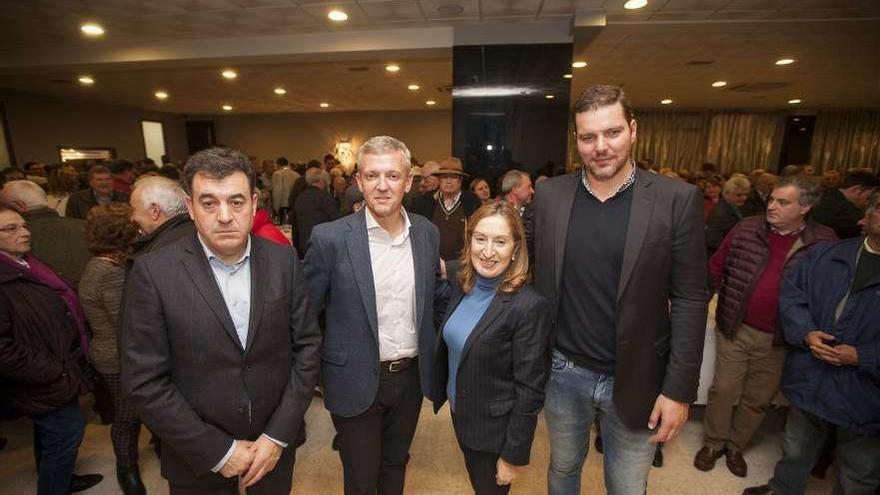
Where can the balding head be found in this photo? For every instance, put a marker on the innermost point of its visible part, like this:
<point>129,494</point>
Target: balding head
<point>24,195</point>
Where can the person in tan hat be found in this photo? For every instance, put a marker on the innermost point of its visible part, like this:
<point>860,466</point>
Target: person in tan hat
<point>448,208</point>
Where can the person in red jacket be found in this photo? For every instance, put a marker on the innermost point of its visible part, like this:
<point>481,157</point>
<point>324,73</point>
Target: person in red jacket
<point>264,228</point>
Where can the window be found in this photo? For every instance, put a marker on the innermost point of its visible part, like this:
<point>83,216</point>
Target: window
<point>154,140</point>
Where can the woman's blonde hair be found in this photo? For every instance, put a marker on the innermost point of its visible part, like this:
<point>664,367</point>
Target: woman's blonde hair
<point>517,272</point>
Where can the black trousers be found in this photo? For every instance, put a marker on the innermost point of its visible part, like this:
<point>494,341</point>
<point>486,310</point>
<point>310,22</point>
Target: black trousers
<point>278,482</point>
<point>374,445</point>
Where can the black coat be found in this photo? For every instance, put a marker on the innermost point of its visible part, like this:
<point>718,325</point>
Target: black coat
<point>41,365</point>
<point>723,218</point>
<point>314,206</point>
<point>501,377</point>
<point>835,211</point>
<point>80,202</point>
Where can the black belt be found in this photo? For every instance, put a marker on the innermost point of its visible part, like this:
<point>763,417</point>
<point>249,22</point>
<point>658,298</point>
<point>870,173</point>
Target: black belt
<point>398,365</point>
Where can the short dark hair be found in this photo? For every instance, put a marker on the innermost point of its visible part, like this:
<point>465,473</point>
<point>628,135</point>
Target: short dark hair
<point>314,164</point>
<point>282,161</point>
<point>217,163</point>
<point>98,169</point>
<point>865,180</point>
<point>120,166</point>
<point>603,95</point>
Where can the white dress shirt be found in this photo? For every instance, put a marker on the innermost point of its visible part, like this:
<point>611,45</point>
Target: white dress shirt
<point>395,284</point>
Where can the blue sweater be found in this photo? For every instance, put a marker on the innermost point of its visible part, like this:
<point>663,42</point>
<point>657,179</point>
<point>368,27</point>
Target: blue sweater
<point>460,325</point>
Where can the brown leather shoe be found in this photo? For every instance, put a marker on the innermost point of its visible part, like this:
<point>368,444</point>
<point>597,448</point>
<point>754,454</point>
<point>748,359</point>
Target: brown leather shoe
<point>736,463</point>
<point>760,490</point>
<point>706,457</point>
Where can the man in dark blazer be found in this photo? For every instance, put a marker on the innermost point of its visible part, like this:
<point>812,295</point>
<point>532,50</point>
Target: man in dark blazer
<point>100,192</point>
<point>374,273</point>
<point>620,252</point>
<point>219,346</point>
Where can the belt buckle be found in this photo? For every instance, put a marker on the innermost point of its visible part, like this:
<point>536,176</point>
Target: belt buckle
<point>393,366</point>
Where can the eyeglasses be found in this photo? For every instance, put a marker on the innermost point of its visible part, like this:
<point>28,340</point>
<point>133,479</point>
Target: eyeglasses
<point>14,229</point>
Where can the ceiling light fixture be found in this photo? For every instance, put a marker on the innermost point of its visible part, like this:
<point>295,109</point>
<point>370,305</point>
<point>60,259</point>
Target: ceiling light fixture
<point>324,104</point>
<point>161,95</point>
<point>580,64</point>
<point>635,4</point>
<point>280,91</point>
<point>92,29</point>
<point>227,108</point>
<point>86,80</point>
<point>667,101</point>
<point>549,97</point>
<point>229,74</point>
<point>392,68</point>
<point>413,87</point>
<point>567,76</point>
<point>430,103</point>
<point>719,84</point>
<point>795,101</point>
<point>337,15</point>
<point>785,61</point>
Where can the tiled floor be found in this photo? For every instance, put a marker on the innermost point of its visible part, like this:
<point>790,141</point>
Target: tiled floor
<point>436,468</point>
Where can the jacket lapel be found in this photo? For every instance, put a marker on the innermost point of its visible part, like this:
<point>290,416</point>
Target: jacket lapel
<point>495,309</point>
<point>421,266</point>
<point>259,274</point>
<point>196,265</point>
<point>639,218</point>
<point>561,219</point>
<point>358,245</point>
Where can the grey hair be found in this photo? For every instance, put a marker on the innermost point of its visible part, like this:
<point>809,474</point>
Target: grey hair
<point>511,180</point>
<point>811,190</point>
<point>384,145</point>
<point>314,175</point>
<point>736,182</point>
<point>26,193</point>
<point>165,193</point>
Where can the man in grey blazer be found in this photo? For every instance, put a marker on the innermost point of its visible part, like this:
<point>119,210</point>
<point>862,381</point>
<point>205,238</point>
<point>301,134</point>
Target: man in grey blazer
<point>219,345</point>
<point>374,273</point>
<point>620,253</point>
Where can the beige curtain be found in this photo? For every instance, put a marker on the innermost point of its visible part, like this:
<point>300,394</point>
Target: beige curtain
<point>844,139</point>
<point>742,142</point>
<point>672,139</point>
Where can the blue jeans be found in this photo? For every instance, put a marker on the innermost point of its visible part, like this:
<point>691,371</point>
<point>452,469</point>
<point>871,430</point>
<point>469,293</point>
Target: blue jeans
<point>57,435</point>
<point>575,397</point>
<point>858,457</point>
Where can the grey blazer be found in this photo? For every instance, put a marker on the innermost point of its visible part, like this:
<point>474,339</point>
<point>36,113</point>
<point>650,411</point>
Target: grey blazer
<point>340,278</point>
<point>661,297</point>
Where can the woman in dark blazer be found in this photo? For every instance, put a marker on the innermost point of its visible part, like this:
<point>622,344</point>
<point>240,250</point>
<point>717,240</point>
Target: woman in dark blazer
<point>492,354</point>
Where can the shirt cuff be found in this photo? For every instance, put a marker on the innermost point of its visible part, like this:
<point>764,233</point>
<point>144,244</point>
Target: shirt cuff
<point>279,443</point>
<point>225,459</point>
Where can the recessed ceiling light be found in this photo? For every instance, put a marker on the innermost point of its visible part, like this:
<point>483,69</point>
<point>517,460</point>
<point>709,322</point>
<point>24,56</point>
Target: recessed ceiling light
<point>567,76</point>
<point>392,68</point>
<point>719,84</point>
<point>87,80</point>
<point>635,4</point>
<point>227,108</point>
<point>796,119</point>
<point>324,104</point>
<point>580,64</point>
<point>161,95</point>
<point>785,61</point>
<point>229,74</point>
<point>667,101</point>
<point>430,103</point>
<point>92,29</point>
<point>549,97</point>
<point>489,147</point>
<point>337,15</point>
<point>280,91</point>
<point>794,101</point>
<point>413,87</point>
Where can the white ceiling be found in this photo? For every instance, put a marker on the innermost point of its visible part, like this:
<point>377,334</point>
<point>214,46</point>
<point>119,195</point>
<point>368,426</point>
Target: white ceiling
<point>181,45</point>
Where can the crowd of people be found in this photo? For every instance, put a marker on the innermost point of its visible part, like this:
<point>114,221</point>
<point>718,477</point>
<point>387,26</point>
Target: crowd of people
<point>173,294</point>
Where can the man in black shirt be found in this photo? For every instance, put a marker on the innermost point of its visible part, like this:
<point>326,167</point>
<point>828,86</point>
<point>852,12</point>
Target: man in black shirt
<point>620,253</point>
<point>843,208</point>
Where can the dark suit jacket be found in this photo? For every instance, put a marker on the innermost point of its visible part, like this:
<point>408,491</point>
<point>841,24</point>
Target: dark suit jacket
<point>661,297</point>
<point>314,206</point>
<point>501,375</point>
<point>724,217</point>
<point>80,202</point>
<point>340,277</point>
<point>185,371</point>
<point>59,242</point>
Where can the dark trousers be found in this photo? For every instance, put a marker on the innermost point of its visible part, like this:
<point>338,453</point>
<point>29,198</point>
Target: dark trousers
<point>858,457</point>
<point>57,435</point>
<point>481,468</point>
<point>126,427</point>
<point>374,445</point>
<point>278,482</point>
